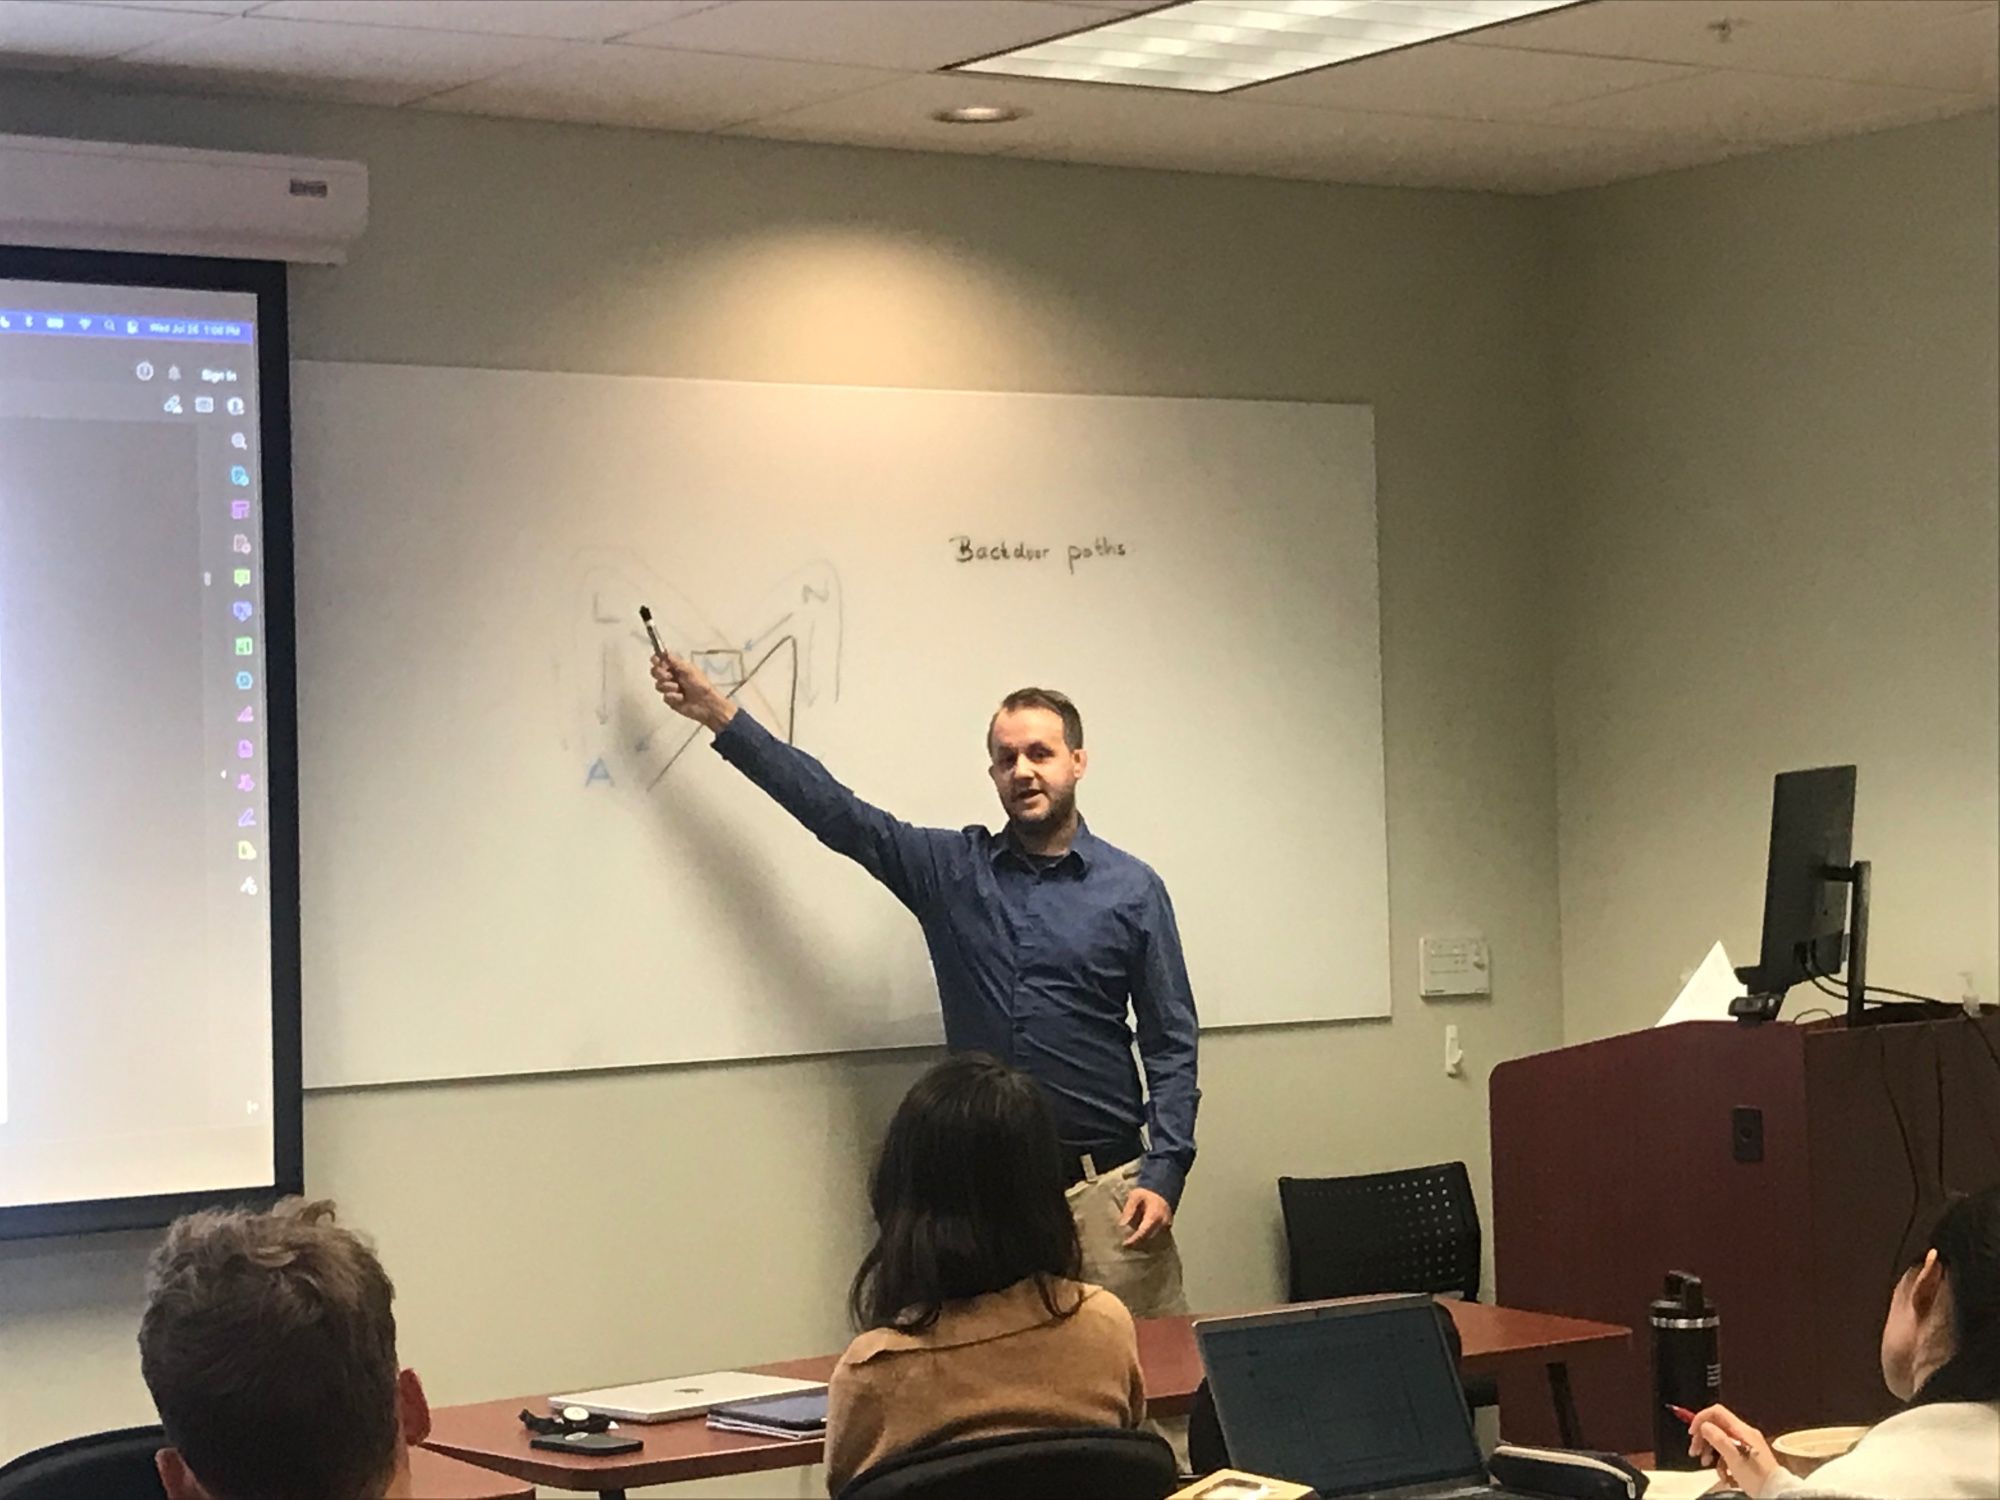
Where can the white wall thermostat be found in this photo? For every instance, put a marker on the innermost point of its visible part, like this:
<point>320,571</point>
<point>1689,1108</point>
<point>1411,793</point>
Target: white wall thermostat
<point>1449,967</point>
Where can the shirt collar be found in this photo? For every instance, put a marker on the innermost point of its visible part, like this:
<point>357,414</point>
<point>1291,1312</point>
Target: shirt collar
<point>996,1315</point>
<point>1083,848</point>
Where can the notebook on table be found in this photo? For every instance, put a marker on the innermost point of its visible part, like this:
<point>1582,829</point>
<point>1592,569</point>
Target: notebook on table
<point>793,1417</point>
<point>683,1395</point>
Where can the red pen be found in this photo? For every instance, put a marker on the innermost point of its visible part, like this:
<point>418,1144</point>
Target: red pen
<point>1687,1417</point>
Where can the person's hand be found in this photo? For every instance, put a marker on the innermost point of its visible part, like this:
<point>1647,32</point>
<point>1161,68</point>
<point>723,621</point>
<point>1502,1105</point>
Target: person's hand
<point>1146,1214</point>
<point>1737,1450</point>
<point>688,692</point>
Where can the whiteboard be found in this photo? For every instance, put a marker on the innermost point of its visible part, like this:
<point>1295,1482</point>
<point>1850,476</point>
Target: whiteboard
<point>516,859</point>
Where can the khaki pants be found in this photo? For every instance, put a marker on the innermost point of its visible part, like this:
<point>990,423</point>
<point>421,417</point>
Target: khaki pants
<point>1147,1279</point>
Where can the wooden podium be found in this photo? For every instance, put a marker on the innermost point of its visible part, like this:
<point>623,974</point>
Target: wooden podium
<point>1617,1161</point>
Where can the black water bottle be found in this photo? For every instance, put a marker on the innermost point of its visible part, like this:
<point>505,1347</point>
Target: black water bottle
<point>1687,1365</point>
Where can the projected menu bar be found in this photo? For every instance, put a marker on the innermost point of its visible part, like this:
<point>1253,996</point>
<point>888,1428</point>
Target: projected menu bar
<point>64,324</point>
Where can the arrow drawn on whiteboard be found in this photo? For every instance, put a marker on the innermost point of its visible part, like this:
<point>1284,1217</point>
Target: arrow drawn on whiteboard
<point>791,701</point>
<point>788,662</point>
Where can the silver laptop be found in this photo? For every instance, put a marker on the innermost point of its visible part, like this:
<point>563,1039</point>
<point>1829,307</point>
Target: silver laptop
<point>683,1395</point>
<point>1355,1398</point>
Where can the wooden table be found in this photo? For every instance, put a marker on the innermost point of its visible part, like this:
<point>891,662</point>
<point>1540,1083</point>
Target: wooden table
<point>435,1477</point>
<point>490,1434</point>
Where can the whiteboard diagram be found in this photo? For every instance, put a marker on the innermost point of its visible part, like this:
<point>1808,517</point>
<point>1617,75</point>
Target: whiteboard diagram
<point>784,664</point>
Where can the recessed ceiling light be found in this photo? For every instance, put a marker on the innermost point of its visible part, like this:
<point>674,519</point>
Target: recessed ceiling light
<point>1213,46</point>
<point>978,114</point>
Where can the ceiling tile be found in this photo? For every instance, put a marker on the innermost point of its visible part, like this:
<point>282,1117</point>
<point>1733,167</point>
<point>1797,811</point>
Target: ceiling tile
<point>647,86</point>
<point>1756,107</point>
<point>1850,39</point>
<point>1144,128</point>
<point>565,20</point>
<point>46,36</point>
<point>1467,83</point>
<point>871,33</point>
<point>196,7</point>
<point>1960,52</point>
<point>352,64</point>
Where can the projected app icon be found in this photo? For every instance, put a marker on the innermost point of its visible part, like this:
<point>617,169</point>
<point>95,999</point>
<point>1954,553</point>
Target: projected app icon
<point>243,681</point>
<point>144,369</point>
<point>204,404</point>
<point>246,645</point>
<point>240,543</point>
<point>173,372</point>
<point>171,406</point>
<point>245,749</point>
<point>235,406</point>
<point>240,609</point>
<point>248,715</point>
<point>249,887</point>
<point>247,818</point>
<point>239,475</point>
<point>238,440</point>
<point>246,783</point>
<point>239,510</point>
<point>241,578</point>
<point>245,849</point>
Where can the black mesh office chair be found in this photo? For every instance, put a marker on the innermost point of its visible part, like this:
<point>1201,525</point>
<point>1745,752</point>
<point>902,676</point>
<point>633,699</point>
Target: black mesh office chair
<point>1416,1230</point>
<point>104,1466</point>
<point>1102,1463</point>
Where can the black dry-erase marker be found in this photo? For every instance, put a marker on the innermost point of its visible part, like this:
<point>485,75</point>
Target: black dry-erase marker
<point>652,635</point>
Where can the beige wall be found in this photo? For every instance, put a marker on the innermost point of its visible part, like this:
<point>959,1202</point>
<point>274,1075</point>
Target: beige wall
<point>1780,548</point>
<point>527,1262</point>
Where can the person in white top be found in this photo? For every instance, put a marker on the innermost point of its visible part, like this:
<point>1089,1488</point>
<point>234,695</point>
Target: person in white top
<point>1940,1357</point>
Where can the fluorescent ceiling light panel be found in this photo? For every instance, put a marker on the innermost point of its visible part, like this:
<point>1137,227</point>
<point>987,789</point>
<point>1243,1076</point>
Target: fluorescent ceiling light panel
<point>1213,46</point>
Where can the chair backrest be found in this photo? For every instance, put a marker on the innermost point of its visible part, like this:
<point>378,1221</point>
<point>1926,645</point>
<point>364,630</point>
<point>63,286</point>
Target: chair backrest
<point>104,1466</point>
<point>1411,1231</point>
<point>1104,1463</point>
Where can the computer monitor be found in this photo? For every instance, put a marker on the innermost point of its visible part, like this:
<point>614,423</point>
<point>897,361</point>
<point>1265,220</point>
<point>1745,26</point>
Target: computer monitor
<point>1806,891</point>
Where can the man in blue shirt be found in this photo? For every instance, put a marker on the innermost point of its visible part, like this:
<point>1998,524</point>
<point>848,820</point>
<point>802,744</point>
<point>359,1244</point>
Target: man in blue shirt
<point>1040,936</point>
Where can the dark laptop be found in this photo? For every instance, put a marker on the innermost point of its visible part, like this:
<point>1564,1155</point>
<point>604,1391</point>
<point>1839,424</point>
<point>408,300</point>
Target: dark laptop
<point>1355,1398</point>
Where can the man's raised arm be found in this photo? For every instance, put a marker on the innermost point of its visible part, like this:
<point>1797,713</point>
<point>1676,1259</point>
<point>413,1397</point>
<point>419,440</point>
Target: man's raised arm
<point>899,855</point>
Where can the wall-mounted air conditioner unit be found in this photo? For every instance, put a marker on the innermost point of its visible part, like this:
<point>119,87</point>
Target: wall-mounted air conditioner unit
<point>102,195</point>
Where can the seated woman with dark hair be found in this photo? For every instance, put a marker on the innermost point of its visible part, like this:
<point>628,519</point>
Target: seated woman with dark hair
<point>1940,1357</point>
<point>976,1321</point>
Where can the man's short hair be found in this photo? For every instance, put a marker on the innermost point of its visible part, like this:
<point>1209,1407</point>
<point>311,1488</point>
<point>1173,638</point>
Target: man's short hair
<point>269,1345</point>
<point>1055,702</point>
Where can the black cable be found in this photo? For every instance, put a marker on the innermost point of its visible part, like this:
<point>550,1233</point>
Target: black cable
<point>1909,1154</point>
<point>1819,980</point>
<point>1937,1065</point>
<point>1881,989</point>
<point>1817,1010</point>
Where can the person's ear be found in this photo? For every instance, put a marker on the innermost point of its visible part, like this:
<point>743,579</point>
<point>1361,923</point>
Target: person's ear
<point>1082,761</point>
<point>413,1408</point>
<point>1926,1285</point>
<point>175,1477</point>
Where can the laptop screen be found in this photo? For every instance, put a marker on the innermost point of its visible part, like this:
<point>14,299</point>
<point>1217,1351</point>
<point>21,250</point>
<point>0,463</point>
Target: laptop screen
<point>1345,1398</point>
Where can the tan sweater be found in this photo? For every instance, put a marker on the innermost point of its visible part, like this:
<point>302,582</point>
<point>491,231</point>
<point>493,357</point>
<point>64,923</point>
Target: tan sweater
<point>997,1363</point>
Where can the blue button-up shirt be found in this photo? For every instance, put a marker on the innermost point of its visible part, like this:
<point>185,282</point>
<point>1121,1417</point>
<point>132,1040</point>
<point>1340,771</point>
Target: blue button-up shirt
<point>1035,960</point>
